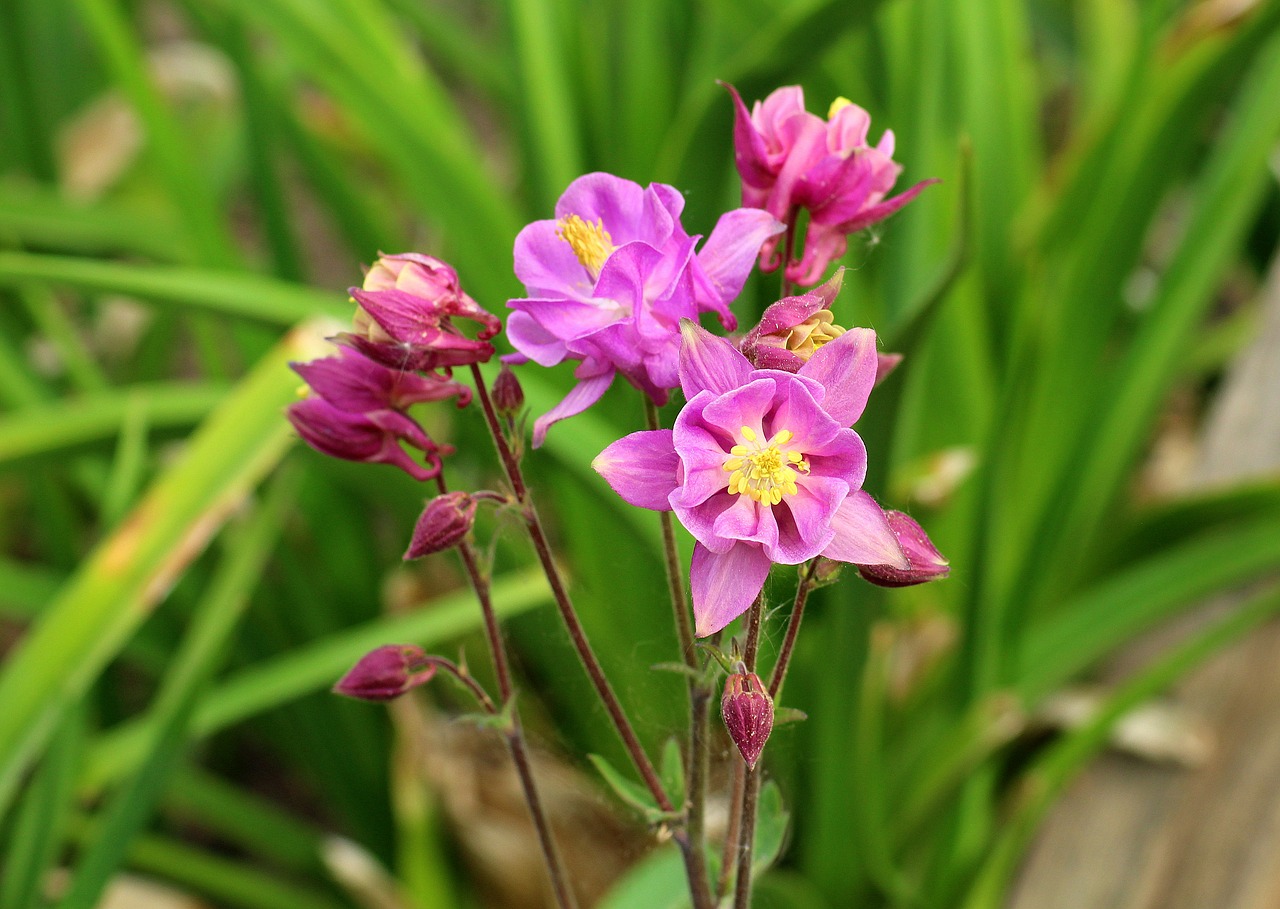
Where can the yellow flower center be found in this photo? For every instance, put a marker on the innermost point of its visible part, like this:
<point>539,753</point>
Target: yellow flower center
<point>767,471</point>
<point>591,243</point>
<point>806,338</point>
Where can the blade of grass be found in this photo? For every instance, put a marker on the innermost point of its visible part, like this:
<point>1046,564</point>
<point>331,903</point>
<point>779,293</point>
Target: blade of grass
<point>1050,774</point>
<point>213,622</point>
<point>130,572</point>
<point>70,423</point>
<point>228,292</point>
<point>317,666</point>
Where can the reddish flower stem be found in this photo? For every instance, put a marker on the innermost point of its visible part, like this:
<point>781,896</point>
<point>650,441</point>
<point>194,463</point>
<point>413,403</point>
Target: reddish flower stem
<point>515,734</point>
<point>731,829</point>
<point>751,776</point>
<point>698,755</point>
<point>564,604</point>
<point>793,629</point>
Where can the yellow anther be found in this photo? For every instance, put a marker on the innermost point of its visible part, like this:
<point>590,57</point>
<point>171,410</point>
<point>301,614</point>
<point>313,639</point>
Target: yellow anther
<point>764,472</point>
<point>590,242</point>
<point>836,106</point>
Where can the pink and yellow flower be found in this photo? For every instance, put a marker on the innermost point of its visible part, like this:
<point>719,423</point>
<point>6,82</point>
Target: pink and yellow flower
<point>790,159</point>
<point>761,467</point>
<point>611,276</point>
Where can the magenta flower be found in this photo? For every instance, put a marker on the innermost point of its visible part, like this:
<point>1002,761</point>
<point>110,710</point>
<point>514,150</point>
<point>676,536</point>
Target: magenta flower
<point>408,306</point>
<point>352,382</point>
<point>790,159</point>
<point>372,437</point>
<point>760,467</point>
<point>792,330</point>
<point>609,279</point>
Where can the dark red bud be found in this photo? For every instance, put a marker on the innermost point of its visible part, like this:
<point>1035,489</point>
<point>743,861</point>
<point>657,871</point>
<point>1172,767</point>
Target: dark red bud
<point>748,714</point>
<point>442,524</point>
<point>508,396</point>
<point>386,673</point>
<point>927,564</point>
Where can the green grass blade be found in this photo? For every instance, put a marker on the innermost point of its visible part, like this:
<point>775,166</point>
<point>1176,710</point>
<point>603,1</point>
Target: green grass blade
<point>130,572</point>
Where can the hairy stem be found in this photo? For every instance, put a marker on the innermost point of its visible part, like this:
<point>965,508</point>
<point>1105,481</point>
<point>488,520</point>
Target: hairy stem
<point>751,776</point>
<point>803,587</point>
<point>515,734</point>
<point>564,604</point>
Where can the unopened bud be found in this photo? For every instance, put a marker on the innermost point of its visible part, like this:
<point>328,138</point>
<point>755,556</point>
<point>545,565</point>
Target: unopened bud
<point>442,524</point>
<point>508,396</point>
<point>748,714</point>
<point>386,673</point>
<point>927,564</point>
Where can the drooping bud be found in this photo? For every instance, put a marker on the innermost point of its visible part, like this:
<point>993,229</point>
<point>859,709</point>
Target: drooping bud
<point>748,713</point>
<point>794,328</point>
<point>442,524</point>
<point>405,321</point>
<point>508,396</point>
<point>372,437</point>
<point>386,673</point>
<point>354,383</point>
<point>927,564</point>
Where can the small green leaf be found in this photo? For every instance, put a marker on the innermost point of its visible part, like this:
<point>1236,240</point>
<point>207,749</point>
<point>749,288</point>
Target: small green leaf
<point>672,771</point>
<point>632,793</point>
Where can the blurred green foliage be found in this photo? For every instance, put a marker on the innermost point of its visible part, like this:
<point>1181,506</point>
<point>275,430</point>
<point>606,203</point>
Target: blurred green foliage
<point>182,182</point>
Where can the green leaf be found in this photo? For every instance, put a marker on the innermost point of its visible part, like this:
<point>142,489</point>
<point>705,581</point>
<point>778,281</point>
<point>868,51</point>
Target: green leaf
<point>630,792</point>
<point>131,571</point>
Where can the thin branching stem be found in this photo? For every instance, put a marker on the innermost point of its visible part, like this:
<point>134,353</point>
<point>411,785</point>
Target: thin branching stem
<point>803,587</point>
<point>514,734</point>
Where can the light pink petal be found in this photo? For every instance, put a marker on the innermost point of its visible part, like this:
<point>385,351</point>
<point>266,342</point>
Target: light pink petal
<point>846,367</point>
<point>567,319</point>
<point>869,216</point>
<point>547,266</point>
<point>729,254</point>
<point>863,535</point>
<point>619,205</point>
<point>748,520</point>
<point>641,468</point>
<point>725,584</point>
<point>750,151</point>
<point>708,363</point>
<point>533,341</point>
<point>584,394</point>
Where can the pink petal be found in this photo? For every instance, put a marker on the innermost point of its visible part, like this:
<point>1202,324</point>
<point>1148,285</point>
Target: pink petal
<point>886,208</point>
<point>863,535</point>
<point>725,584</point>
<point>846,367</point>
<point>709,363</point>
<point>641,468</point>
<point>584,394</point>
<point>730,253</point>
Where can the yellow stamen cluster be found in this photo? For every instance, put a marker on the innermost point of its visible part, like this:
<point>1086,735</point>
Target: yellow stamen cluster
<point>765,472</point>
<point>591,243</point>
<point>805,339</point>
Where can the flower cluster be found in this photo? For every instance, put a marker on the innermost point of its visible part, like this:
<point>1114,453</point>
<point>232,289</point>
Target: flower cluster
<point>399,354</point>
<point>790,159</point>
<point>611,276</point>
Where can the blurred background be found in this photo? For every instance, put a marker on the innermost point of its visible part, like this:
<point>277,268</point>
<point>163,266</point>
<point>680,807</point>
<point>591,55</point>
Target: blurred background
<point>188,188</point>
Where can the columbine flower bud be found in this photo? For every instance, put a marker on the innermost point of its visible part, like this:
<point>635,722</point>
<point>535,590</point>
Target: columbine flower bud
<point>372,437</point>
<point>927,564</point>
<point>405,321</point>
<point>748,714</point>
<point>354,383</point>
<point>508,396</point>
<point>386,673</point>
<point>442,524</point>
<point>794,328</point>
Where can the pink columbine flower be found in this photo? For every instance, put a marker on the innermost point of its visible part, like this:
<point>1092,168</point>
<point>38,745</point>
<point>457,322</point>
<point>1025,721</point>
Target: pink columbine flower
<point>760,467</point>
<point>408,307</point>
<point>792,330</point>
<point>790,159</point>
<point>611,276</point>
